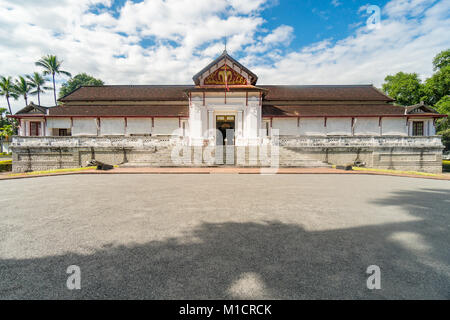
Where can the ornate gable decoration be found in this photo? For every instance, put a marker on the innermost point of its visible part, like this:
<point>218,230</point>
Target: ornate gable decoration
<point>225,73</point>
<point>225,67</point>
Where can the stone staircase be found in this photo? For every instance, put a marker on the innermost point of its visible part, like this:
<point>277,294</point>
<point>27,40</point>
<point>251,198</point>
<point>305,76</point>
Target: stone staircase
<point>163,158</point>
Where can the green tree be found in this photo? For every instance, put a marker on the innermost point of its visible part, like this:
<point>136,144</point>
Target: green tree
<point>443,105</point>
<point>405,88</point>
<point>52,66</point>
<point>442,60</point>
<point>3,119</point>
<point>23,87</point>
<point>7,127</point>
<point>437,86</point>
<point>79,80</point>
<point>6,131</point>
<point>7,90</point>
<point>37,81</point>
<point>442,125</point>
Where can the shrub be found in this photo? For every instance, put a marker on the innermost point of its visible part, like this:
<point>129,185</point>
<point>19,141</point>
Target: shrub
<point>446,165</point>
<point>5,165</point>
<point>446,139</point>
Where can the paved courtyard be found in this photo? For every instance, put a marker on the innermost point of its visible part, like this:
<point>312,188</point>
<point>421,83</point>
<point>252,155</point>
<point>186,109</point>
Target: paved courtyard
<point>224,236</point>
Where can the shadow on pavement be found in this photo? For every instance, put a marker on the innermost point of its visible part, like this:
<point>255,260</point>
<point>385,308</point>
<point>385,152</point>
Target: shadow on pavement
<point>259,260</point>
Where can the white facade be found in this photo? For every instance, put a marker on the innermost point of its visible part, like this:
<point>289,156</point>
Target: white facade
<point>250,127</point>
<point>211,107</point>
<point>203,113</point>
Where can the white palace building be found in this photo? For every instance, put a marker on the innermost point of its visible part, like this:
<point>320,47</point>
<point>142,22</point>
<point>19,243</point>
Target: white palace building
<point>310,125</point>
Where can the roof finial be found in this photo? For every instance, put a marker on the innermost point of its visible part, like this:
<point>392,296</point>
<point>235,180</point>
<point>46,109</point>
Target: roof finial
<point>225,50</point>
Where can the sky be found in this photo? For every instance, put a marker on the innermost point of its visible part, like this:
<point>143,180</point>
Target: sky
<point>168,41</point>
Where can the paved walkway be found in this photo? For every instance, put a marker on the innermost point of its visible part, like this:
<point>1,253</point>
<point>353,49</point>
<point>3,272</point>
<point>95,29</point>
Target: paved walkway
<point>224,170</point>
<point>231,236</point>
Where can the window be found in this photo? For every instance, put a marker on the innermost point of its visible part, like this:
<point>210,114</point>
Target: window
<point>417,128</point>
<point>63,132</point>
<point>35,128</point>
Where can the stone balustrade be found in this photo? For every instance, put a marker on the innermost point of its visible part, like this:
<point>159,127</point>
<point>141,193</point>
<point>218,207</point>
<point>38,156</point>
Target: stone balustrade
<point>387,152</point>
<point>141,142</point>
<point>285,141</point>
<point>360,141</point>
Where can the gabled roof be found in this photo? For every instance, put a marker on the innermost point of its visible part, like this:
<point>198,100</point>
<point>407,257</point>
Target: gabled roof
<point>32,109</point>
<point>128,93</point>
<point>225,55</point>
<point>120,110</point>
<point>325,93</point>
<point>273,93</point>
<point>420,108</point>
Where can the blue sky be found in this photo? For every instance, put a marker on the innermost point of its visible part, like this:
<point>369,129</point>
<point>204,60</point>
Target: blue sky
<point>167,41</point>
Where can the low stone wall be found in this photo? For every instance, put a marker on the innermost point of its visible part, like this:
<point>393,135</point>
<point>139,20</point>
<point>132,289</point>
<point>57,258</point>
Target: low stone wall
<point>387,152</point>
<point>383,152</point>
<point>46,153</point>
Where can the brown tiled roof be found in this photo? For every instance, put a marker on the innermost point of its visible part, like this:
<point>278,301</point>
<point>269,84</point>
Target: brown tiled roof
<point>333,110</point>
<point>129,93</point>
<point>32,108</point>
<point>121,110</point>
<point>421,107</point>
<point>178,93</point>
<point>325,93</point>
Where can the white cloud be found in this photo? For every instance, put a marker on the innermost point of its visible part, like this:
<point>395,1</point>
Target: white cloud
<point>336,3</point>
<point>369,55</point>
<point>165,42</point>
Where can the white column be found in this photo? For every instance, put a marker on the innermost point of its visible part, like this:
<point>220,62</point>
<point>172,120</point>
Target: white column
<point>211,124</point>
<point>239,124</point>
<point>22,128</point>
<point>196,125</point>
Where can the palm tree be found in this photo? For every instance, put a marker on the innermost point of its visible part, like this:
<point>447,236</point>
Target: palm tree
<point>23,87</point>
<point>52,66</point>
<point>37,81</point>
<point>7,89</point>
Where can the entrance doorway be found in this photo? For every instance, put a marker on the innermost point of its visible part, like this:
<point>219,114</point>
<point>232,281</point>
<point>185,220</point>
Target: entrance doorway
<point>225,125</point>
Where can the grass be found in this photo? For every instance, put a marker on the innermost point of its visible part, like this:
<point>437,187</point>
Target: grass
<point>396,171</point>
<point>53,171</point>
<point>6,162</point>
<point>446,165</point>
<point>56,171</point>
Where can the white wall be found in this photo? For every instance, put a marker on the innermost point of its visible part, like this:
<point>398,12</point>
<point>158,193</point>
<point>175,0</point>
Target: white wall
<point>139,125</point>
<point>394,126</point>
<point>432,130</point>
<point>112,126</point>
<point>367,126</point>
<point>312,126</point>
<point>286,126</point>
<point>59,123</point>
<point>84,126</point>
<point>339,126</point>
<point>165,126</point>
